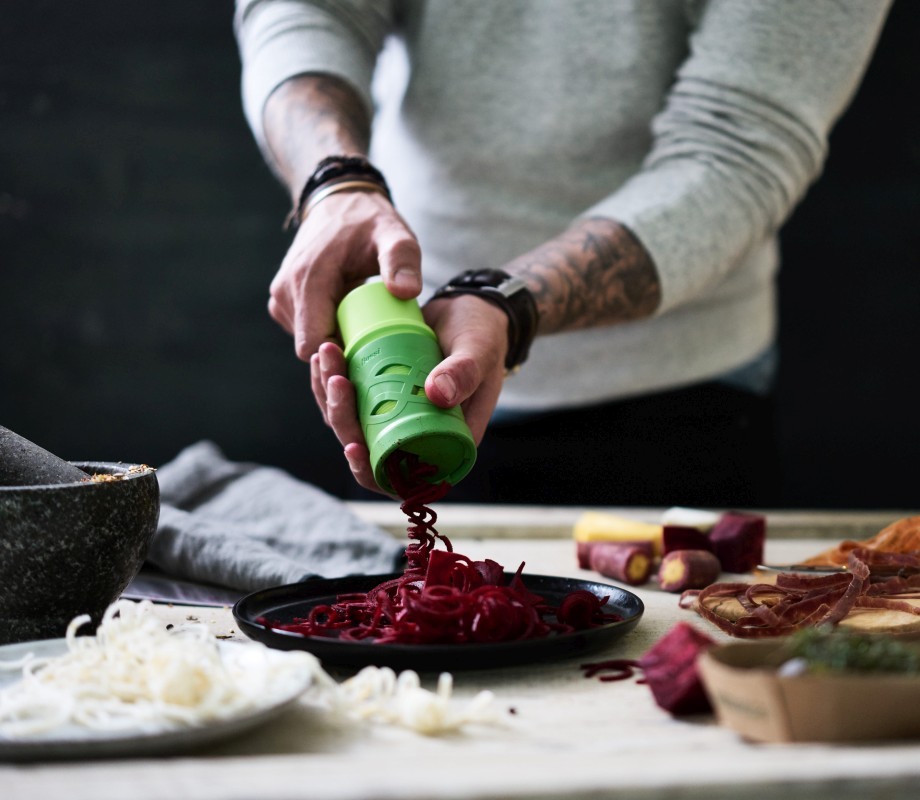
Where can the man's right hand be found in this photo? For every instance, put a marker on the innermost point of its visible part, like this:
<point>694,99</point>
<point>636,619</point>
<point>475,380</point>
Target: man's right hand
<point>345,239</point>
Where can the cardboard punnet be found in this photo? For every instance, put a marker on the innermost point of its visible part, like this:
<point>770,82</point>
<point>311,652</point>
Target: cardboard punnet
<point>752,698</point>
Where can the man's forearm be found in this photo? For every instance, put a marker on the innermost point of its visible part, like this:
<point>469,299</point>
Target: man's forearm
<point>596,273</point>
<point>310,117</point>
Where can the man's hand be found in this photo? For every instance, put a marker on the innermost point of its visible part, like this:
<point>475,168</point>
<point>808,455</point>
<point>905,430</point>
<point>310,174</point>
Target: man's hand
<point>345,239</point>
<point>474,336</point>
<point>335,395</point>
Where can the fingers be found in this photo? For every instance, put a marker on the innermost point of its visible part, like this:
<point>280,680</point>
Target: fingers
<point>477,411</point>
<point>453,380</point>
<point>461,379</point>
<point>348,238</point>
<point>279,311</point>
<point>312,327</point>
<point>317,385</point>
<point>400,259</point>
<point>343,417</point>
<point>359,462</point>
<point>342,411</point>
<point>335,396</point>
<point>326,363</point>
<point>474,337</point>
<point>302,301</point>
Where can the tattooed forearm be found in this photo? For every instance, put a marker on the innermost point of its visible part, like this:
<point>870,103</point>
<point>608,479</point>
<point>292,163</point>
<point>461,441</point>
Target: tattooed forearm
<point>596,273</point>
<point>310,117</point>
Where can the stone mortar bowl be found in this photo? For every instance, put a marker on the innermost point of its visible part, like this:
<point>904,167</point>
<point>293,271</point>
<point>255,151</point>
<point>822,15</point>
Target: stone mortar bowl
<point>71,548</point>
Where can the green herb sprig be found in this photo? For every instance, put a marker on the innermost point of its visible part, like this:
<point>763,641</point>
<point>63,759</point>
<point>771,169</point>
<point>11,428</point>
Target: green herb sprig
<point>826,650</point>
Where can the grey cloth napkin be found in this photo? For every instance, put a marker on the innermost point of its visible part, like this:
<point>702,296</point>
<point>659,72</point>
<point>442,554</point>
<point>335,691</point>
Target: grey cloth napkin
<point>249,526</point>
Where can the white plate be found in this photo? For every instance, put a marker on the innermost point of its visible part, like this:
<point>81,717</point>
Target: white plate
<point>73,741</point>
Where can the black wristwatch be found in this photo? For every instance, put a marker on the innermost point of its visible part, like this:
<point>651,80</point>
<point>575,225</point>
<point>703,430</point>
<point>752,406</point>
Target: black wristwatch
<point>511,295</point>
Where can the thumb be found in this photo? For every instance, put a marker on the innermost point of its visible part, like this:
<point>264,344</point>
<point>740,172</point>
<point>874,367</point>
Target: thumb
<point>400,260</point>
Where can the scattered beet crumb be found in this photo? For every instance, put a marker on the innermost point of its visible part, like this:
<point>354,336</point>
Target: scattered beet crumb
<point>170,626</point>
<point>512,710</point>
<point>618,669</point>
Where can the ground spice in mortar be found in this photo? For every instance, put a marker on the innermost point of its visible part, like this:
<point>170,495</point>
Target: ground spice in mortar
<point>105,477</point>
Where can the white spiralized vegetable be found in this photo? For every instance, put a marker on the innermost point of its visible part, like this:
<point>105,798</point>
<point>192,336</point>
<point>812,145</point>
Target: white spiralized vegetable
<point>136,676</point>
<point>379,693</point>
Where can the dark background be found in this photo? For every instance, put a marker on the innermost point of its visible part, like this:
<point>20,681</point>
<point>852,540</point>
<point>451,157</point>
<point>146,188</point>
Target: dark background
<point>139,230</point>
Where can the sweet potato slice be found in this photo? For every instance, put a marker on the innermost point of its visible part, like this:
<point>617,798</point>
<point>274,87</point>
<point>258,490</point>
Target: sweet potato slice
<point>627,563</point>
<point>583,550</point>
<point>688,569</point>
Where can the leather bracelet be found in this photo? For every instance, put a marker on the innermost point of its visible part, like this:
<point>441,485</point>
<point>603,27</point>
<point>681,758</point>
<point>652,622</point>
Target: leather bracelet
<point>340,186</point>
<point>330,169</point>
<point>512,296</point>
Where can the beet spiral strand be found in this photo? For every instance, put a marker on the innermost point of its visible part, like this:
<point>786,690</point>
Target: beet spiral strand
<point>409,477</point>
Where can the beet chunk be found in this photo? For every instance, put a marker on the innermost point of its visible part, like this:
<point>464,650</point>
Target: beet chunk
<point>670,670</point>
<point>680,537</point>
<point>738,540</point>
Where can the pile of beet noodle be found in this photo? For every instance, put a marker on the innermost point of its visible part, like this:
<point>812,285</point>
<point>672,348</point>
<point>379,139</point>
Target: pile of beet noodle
<point>443,597</point>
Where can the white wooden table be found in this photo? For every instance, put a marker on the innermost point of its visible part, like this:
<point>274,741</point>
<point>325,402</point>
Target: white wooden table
<point>567,737</point>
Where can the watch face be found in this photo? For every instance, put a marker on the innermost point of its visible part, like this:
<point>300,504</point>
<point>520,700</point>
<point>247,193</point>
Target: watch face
<point>491,279</point>
<point>485,277</point>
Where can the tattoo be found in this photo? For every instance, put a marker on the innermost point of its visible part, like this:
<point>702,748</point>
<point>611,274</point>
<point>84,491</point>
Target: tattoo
<point>310,117</point>
<point>596,273</point>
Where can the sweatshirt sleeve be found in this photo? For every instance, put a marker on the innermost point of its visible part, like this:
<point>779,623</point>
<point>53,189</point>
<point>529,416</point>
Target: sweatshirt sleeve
<point>280,39</point>
<point>743,132</point>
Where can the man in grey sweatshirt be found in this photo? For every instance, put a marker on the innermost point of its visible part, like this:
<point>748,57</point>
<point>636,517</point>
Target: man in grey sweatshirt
<point>629,161</point>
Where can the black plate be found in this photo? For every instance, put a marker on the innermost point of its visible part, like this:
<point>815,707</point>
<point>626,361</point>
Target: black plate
<point>285,603</point>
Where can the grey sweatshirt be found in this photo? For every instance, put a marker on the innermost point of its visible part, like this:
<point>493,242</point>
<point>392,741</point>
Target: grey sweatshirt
<point>698,125</point>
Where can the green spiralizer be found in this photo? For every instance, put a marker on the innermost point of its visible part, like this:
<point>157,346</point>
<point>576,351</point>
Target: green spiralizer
<point>390,351</point>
